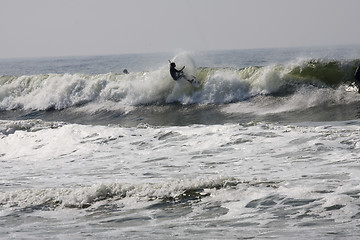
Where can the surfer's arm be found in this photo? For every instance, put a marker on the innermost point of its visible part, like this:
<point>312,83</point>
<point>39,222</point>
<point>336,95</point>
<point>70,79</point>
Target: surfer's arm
<point>181,69</point>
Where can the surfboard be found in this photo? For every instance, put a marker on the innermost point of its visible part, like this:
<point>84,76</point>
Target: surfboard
<point>192,80</point>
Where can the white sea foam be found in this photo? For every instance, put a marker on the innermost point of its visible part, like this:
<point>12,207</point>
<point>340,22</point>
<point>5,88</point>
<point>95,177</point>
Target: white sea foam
<point>59,153</point>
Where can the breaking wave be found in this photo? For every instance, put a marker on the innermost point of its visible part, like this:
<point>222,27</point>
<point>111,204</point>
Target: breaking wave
<point>84,197</point>
<point>217,85</point>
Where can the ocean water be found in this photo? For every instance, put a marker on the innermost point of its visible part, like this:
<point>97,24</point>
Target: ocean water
<point>268,146</point>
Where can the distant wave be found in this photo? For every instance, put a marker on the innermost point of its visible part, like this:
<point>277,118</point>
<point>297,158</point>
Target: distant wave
<point>218,85</point>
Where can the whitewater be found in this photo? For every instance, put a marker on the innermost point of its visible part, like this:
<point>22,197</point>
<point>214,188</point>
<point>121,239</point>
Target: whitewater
<point>266,148</point>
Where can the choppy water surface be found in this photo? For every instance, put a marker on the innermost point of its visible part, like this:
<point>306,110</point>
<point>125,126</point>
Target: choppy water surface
<point>267,147</point>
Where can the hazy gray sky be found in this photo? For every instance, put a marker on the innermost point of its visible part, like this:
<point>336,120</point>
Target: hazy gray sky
<point>36,28</point>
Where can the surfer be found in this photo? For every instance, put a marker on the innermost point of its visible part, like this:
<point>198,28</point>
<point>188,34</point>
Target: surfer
<point>357,77</point>
<point>177,74</point>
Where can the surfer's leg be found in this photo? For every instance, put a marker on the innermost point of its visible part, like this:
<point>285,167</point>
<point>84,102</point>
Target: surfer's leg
<point>182,75</point>
<point>190,81</point>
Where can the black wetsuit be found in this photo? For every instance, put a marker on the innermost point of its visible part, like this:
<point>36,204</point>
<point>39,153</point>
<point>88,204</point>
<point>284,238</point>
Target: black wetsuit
<point>175,74</point>
<point>357,74</point>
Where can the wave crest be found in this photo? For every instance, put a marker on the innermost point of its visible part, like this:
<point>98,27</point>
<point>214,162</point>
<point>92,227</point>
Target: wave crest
<point>218,85</point>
